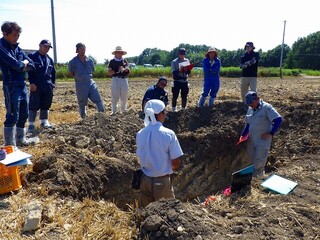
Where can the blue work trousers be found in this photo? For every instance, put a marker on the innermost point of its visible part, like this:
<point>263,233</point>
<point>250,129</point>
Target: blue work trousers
<point>16,102</point>
<point>211,85</point>
<point>85,90</point>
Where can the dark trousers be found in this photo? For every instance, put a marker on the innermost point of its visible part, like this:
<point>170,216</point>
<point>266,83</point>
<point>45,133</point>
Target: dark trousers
<point>177,87</point>
<point>41,98</point>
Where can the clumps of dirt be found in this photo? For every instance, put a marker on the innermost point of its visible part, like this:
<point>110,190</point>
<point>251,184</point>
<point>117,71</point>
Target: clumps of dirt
<point>94,158</point>
<point>170,219</point>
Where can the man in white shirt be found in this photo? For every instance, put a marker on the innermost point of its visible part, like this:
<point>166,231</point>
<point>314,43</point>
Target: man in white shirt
<point>159,151</point>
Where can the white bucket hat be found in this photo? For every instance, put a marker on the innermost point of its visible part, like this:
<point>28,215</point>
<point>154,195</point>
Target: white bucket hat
<point>153,106</point>
<point>119,49</point>
<point>211,49</point>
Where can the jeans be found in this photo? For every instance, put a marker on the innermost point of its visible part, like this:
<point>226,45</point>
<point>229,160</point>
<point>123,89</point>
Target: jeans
<point>16,102</point>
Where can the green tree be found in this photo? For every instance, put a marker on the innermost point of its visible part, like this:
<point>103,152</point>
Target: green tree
<point>272,57</point>
<point>306,52</point>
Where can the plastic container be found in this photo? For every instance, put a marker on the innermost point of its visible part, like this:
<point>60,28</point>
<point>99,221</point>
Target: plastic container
<point>9,179</point>
<point>9,176</point>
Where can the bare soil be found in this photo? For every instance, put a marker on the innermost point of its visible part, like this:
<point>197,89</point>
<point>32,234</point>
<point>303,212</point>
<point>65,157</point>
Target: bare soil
<point>95,159</point>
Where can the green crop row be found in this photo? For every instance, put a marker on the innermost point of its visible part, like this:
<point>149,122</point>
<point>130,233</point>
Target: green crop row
<point>229,72</point>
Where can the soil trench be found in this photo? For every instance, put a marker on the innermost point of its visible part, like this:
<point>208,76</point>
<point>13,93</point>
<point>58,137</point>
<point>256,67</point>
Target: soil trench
<point>96,158</point>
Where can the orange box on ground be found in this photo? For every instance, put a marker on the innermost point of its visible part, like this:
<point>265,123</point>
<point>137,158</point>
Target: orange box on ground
<point>9,179</point>
<point>9,176</point>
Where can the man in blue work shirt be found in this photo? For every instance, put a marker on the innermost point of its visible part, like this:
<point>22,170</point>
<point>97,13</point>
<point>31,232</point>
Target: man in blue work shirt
<point>263,121</point>
<point>42,82</point>
<point>156,92</point>
<point>14,63</point>
<point>81,68</point>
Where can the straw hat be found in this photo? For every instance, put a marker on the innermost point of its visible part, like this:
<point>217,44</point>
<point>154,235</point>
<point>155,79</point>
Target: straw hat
<point>119,49</point>
<point>211,49</point>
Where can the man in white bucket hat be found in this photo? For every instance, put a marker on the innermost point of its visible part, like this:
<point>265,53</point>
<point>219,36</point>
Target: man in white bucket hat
<point>118,68</point>
<point>159,151</point>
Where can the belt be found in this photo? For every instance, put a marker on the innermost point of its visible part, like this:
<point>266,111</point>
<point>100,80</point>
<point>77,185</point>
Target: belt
<point>120,76</point>
<point>167,175</point>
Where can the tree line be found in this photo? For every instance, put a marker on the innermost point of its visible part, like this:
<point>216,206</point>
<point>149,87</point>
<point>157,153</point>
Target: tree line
<point>304,54</point>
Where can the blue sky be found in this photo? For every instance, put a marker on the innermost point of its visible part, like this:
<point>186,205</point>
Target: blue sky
<point>139,24</point>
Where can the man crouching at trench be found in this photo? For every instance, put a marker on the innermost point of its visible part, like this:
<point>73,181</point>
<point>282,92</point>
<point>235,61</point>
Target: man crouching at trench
<point>159,151</point>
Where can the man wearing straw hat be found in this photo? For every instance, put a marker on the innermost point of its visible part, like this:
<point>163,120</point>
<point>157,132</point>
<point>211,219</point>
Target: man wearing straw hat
<point>159,151</point>
<point>118,68</point>
<point>81,68</point>
<point>211,83</point>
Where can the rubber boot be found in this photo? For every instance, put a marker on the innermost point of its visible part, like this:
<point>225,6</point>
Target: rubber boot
<point>8,136</point>
<point>31,119</point>
<point>201,102</point>
<point>21,139</point>
<point>211,101</point>
<point>44,114</point>
<point>32,116</point>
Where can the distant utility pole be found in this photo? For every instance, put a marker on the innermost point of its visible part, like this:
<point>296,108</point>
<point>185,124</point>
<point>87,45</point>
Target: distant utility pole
<point>53,34</point>
<point>282,46</point>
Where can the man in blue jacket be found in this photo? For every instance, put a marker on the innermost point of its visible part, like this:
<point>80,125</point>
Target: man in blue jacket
<point>156,92</point>
<point>14,63</point>
<point>42,82</point>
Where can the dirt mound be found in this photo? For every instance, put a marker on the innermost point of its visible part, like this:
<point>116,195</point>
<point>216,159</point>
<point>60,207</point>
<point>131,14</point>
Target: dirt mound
<point>94,158</point>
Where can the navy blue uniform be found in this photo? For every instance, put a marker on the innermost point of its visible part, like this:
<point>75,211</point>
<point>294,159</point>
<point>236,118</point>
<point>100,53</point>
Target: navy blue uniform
<point>155,92</point>
<point>14,85</point>
<point>44,78</point>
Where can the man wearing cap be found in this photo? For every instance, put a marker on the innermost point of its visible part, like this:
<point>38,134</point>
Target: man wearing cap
<point>180,72</point>
<point>211,83</point>
<point>119,69</point>
<point>42,81</point>
<point>159,151</point>
<point>263,121</point>
<point>81,68</point>
<point>14,64</point>
<point>249,66</point>
<point>156,92</point>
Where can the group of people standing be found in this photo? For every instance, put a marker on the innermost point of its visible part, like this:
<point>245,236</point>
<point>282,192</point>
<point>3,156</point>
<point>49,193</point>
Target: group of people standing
<point>39,66</point>
<point>158,148</point>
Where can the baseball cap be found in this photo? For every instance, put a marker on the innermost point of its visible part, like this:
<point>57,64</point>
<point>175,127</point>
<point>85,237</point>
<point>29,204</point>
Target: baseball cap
<point>182,51</point>
<point>46,43</point>
<point>250,97</point>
